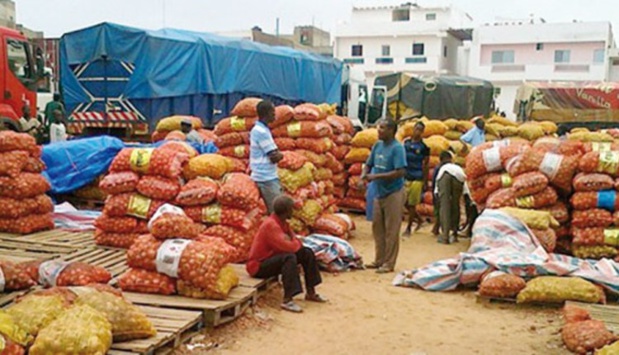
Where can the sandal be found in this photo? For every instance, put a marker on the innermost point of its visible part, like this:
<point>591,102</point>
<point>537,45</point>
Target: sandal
<point>372,266</point>
<point>384,270</point>
<point>316,298</point>
<point>290,306</point>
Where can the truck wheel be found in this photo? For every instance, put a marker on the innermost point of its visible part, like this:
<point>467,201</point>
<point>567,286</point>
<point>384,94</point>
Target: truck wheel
<point>7,124</point>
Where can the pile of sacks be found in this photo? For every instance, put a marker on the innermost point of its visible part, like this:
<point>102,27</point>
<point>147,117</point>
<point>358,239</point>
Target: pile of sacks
<point>343,132</point>
<point>169,128</point>
<point>24,207</point>
<point>582,334</point>
<point>361,147</point>
<point>175,258</point>
<point>77,320</point>
<point>140,180</point>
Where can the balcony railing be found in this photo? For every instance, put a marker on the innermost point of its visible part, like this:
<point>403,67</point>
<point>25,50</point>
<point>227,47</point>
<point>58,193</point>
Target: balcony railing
<point>353,60</point>
<point>416,60</point>
<point>384,60</point>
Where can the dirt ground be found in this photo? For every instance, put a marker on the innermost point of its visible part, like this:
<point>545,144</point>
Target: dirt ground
<point>367,315</point>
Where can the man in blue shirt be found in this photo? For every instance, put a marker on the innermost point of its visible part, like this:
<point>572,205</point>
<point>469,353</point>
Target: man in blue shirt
<point>386,167</point>
<point>264,155</point>
<point>417,158</point>
<point>476,135</point>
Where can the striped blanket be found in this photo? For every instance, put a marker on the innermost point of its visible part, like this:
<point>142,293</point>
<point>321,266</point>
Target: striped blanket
<point>67,217</point>
<point>501,242</point>
<point>332,253</point>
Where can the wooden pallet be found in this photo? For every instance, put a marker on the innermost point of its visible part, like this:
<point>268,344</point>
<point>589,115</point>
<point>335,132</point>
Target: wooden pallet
<point>215,313</point>
<point>261,285</point>
<point>113,260</point>
<point>18,250</point>
<point>608,314</point>
<point>7,298</point>
<point>495,300</point>
<point>61,237</point>
<point>174,327</point>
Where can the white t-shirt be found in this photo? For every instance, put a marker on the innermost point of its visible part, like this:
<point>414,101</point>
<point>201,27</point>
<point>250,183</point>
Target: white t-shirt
<point>57,133</point>
<point>454,170</point>
<point>29,125</point>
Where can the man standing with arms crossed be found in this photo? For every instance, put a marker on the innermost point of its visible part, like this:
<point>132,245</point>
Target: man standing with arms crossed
<point>386,166</point>
<point>264,155</point>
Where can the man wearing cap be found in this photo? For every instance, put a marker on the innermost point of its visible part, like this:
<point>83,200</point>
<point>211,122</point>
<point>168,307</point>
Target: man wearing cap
<point>190,134</point>
<point>476,135</point>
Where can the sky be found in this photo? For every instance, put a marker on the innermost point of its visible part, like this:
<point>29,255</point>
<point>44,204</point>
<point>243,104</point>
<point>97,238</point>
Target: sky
<point>56,17</point>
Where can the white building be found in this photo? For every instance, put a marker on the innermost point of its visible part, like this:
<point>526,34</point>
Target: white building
<point>509,53</point>
<point>407,38</point>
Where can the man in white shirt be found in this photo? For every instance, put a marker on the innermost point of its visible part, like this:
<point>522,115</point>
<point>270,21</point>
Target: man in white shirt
<point>58,130</point>
<point>29,124</point>
<point>450,183</point>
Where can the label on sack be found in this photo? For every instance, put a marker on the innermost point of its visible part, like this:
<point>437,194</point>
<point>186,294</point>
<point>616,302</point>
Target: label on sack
<point>601,146</point>
<point>169,256</point>
<point>525,202</point>
<point>237,124</point>
<point>328,143</point>
<point>506,180</point>
<point>492,275</point>
<point>50,270</point>
<point>294,129</point>
<point>140,159</point>
<point>609,162</point>
<point>611,237</point>
<point>138,206</point>
<point>550,165</point>
<point>492,159</point>
<point>607,199</point>
<point>239,151</point>
<point>2,281</point>
<point>166,208</point>
<point>501,143</point>
<point>211,214</point>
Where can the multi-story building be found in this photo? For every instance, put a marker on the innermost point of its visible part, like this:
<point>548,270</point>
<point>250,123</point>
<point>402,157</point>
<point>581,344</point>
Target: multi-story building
<point>407,38</point>
<point>510,53</point>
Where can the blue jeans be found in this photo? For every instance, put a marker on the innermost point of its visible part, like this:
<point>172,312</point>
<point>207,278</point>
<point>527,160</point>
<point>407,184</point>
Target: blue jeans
<point>269,191</point>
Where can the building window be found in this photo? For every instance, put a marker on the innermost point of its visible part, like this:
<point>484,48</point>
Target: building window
<point>497,91</point>
<point>357,50</point>
<point>598,55</point>
<point>386,50</point>
<point>431,17</point>
<point>401,15</point>
<point>562,56</point>
<point>539,46</point>
<point>445,51</point>
<point>418,49</point>
<point>502,57</point>
<point>384,60</point>
<point>416,60</point>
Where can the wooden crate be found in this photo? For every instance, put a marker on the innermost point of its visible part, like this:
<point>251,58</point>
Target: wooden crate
<point>61,237</point>
<point>608,314</point>
<point>174,327</point>
<point>261,285</point>
<point>215,313</point>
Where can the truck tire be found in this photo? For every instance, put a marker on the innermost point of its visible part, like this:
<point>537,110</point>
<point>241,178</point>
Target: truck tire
<point>7,124</point>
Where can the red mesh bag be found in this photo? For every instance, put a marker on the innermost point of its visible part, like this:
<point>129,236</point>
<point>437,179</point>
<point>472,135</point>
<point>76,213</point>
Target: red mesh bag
<point>143,281</point>
<point>316,145</point>
<point>341,125</point>
<point>115,240</point>
<point>592,218</point>
<point>339,192</point>
<point>292,161</point>
<point>529,184</point>
<point>573,314</point>
<point>10,347</point>
<point>424,209</point>
<point>158,188</point>
<point>563,232</point>
<point>547,238</point>
<point>116,224</point>
<point>239,151</point>
<point>501,198</point>
<point>353,182</point>
<point>557,146</point>
<point>588,200</point>
<point>493,182</point>
<point>23,186</point>
<point>340,179</point>
<point>322,174</point>
<point>285,144</point>
<point>332,225</point>
<point>12,163</point>
<point>333,164</point>
<point>480,196</point>
<point>559,169</point>
<point>593,182</point>
<point>559,211</point>
<point>180,147</point>
<point>172,226</point>
<point>356,169</point>
<point>616,218</point>
<point>600,162</point>
<point>175,136</point>
<point>34,165</point>
<point>586,336</point>
<point>342,139</point>
<point>148,161</point>
<point>239,239</point>
<point>131,205</point>
<point>13,208</point>
<point>353,203</point>
<point>239,191</point>
<point>232,139</point>
<point>143,253</point>
<point>501,285</point>
<point>16,277</point>
<point>235,124</point>
<point>307,112</point>
<point>595,236</point>
<point>217,214</point>
<point>506,198</point>
<point>27,224</point>
<point>118,183</point>
<point>239,165</point>
<point>200,191</point>
<point>481,161</point>
<point>247,107</point>
<point>10,141</point>
<point>428,198</point>
<point>283,114</point>
<point>600,146</point>
<point>73,274</point>
<point>158,136</point>
<point>354,193</point>
<point>340,152</point>
<point>318,160</point>
<point>305,129</point>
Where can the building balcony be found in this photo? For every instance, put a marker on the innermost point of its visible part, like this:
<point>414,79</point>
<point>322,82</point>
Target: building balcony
<point>540,72</point>
<point>415,64</point>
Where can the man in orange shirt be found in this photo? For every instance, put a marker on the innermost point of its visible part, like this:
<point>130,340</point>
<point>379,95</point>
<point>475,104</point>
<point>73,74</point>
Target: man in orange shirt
<point>276,250</point>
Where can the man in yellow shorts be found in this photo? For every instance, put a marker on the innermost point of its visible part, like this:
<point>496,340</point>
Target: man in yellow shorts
<point>417,158</point>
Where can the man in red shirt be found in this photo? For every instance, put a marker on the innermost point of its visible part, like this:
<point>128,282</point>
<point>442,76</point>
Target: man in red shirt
<point>276,250</point>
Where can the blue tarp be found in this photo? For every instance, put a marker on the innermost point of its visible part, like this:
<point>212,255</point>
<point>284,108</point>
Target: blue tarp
<point>170,71</point>
<point>76,163</point>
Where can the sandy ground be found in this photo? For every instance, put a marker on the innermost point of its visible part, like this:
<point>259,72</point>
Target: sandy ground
<point>367,315</point>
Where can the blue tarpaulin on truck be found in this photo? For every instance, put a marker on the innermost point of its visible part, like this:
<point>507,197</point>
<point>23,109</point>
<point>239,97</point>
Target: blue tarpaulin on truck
<point>165,72</point>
